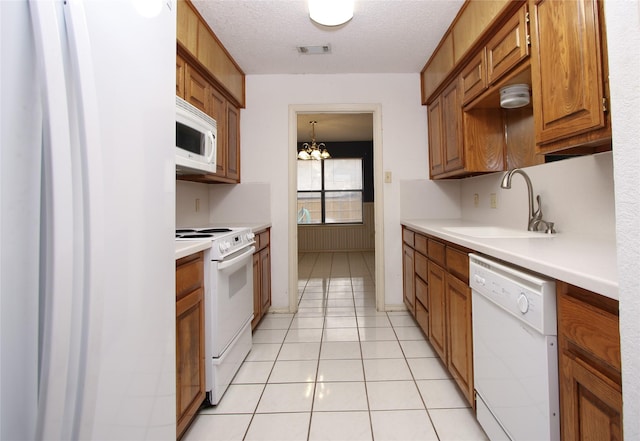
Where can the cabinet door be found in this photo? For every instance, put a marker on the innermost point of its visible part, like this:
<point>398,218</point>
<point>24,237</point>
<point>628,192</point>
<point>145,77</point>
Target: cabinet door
<point>265,279</point>
<point>408,278</point>
<point>460,342</point>
<point>233,142</point>
<point>190,356</point>
<point>437,310</point>
<point>180,68</point>
<point>508,47</point>
<point>452,128</point>
<point>567,68</point>
<point>187,27</point>
<point>473,78</point>
<point>196,89</point>
<point>591,404</point>
<point>218,107</point>
<point>436,164</point>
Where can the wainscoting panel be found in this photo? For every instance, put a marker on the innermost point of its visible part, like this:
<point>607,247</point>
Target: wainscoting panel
<point>359,237</point>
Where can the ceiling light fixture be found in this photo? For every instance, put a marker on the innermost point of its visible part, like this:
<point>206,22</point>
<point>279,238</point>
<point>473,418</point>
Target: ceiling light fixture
<point>313,150</point>
<point>331,12</point>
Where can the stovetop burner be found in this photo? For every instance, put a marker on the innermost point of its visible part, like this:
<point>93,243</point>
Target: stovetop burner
<point>215,230</point>
<point>200,233</point>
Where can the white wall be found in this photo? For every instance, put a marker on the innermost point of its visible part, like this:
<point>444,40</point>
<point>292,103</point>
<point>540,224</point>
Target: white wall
<point>264,134</point>
<point>186,213</point>
<point>623,32</point>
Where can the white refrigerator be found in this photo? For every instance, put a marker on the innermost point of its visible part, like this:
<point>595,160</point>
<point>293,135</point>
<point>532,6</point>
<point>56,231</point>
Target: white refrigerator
<point>87,220</point>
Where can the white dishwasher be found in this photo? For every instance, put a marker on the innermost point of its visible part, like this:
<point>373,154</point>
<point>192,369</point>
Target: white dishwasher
<point>515,352</point>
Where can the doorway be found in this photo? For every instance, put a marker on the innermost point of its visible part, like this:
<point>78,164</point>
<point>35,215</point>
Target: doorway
<point>374,111</point>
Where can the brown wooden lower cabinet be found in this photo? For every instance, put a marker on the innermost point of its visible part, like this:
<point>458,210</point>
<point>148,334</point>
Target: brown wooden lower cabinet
<point>190,349</point>
<point>408,280</point>
<point>590,363</point>
<point>459,333</point>
<point>261,276</point>
<point>436,292</point>
<point>438,310</point>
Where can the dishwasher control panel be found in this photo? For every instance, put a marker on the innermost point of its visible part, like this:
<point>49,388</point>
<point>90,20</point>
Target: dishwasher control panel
<point>527,296</point>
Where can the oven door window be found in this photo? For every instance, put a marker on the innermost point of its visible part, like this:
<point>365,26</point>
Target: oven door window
<point>190,139</point>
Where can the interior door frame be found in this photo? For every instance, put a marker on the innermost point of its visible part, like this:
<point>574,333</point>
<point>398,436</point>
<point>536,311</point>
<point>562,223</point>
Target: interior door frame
<point>376,111</point>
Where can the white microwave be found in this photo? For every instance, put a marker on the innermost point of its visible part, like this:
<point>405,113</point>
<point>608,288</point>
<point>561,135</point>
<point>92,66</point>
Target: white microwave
<point>196,140</point>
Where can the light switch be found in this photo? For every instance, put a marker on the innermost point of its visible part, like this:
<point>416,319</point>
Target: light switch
<point>387,177</point>
<point>476,200</point>
<point>493,200</point>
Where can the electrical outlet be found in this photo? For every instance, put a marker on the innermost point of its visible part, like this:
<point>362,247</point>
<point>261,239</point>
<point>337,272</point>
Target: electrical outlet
<point>387,177</point>
<point>476,200</point>
<point>197,205</point>
<point>493,200</point>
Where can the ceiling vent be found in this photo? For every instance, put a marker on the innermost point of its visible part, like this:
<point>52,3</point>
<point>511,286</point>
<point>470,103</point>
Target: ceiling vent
<point>312,50</point>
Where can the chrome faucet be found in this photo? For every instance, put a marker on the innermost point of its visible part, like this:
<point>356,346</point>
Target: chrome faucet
<point>535,217</point>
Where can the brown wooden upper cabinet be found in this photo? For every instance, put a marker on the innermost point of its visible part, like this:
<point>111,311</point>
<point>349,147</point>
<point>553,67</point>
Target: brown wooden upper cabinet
<point>556,47</point>
<point>462,143</point>
<point>227,116</point>
<point>200,42</point>
<point>208,78</point>
<point>569,74</point>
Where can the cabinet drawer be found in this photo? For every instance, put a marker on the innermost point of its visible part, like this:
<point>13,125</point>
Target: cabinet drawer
<point>421,266</point>
<point>422,317</point>
<point>458,264</point>
<point>421,293</point>
<point>436,251</point>
<point>189,274</point>
<point>420,243</point>
<point>408,237</point>
<point>590,322</point>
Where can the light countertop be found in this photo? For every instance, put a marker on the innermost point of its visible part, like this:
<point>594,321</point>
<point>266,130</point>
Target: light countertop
<point>587,261</point>
<point>187,247</point>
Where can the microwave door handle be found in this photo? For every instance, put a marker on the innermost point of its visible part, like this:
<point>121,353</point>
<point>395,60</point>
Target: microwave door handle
<point>212,143</point>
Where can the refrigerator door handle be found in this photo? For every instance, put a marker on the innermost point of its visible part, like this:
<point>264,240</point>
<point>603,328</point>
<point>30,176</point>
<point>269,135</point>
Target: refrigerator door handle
<point>90,174</point>
<point>72,287</point>
<point>56,406</point>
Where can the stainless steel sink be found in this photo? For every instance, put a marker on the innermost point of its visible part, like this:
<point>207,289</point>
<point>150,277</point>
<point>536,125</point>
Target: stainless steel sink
<point>487,232</point>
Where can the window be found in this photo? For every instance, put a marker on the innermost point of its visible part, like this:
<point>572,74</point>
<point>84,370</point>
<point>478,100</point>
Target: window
<point>330,191</point>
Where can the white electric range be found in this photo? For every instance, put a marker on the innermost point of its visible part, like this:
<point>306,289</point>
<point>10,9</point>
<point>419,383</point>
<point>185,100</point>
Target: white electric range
<point>228,302</point>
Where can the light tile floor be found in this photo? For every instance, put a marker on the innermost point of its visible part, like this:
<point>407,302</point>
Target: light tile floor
<point>339,370</point>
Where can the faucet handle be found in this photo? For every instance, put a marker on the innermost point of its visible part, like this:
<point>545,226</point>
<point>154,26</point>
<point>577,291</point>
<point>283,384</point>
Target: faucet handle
<point>549,229</point>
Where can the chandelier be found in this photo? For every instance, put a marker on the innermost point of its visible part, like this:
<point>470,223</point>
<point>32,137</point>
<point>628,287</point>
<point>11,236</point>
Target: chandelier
<point>313,150</point>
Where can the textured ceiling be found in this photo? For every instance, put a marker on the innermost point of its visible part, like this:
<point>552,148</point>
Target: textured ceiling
<point>384,36</point>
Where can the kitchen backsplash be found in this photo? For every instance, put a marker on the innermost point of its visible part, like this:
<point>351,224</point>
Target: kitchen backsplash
<point>192,204</point>
<point>203,204</point>
<point>577,195</point>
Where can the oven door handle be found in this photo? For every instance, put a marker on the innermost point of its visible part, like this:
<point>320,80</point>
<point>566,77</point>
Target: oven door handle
<point>226,264</point>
